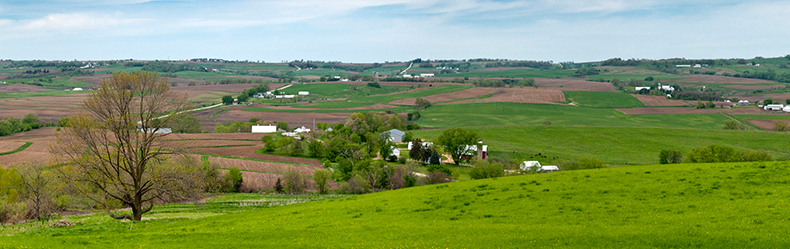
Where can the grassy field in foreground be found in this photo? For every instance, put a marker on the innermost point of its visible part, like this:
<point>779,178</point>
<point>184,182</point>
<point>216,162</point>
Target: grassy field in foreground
<point>736,205</point>
<point>613,145</point>
<point>602,99</point>
<point>485,114</point>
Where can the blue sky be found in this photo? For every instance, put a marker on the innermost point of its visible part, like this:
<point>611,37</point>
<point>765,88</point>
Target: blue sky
<point>392,30</point>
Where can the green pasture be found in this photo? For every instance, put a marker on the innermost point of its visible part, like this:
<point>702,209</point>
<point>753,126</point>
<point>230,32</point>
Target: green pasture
<point>732,205</point>
<point>613,145</point>
<point>334,104</point>
<point>514,73</point>
<point>323,89</point>
<point>328,110</point>
<point>55,83</point>
<point>602,99</point>
<point>503,113</point>
<point>38,94</point>
<point>213,97</point>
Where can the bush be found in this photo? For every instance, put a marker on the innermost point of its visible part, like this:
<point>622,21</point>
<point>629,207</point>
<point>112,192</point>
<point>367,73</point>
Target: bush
<point>712,153</point>
<point>278,186</point>
<point>439,168</point>
<point>733,125</point>
<point>374,84</point>
<point>355,185</point>
<point>293,181</point>
<point>780,126</point>
<point>754,156</point>
<point>320,178</point>
<point>413,116</point>
<point>407,137</point>
<point>436,177</point>
<point>233,180</point>
<point>669,157</point>
<point>484,169</point>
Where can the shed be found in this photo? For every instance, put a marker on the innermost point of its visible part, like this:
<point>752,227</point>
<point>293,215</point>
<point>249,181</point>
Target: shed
<point>395,151</point>
<point>396,135</point>
<point>264,128</point>
<point>301,129</point>
<point>530,165</point>
<point>77,89</point>
<point>304,93</point>
<point>549,168</point>
<point>743,102</point>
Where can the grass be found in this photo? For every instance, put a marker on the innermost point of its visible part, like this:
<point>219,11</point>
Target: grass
<point>21,148</point>
<point>627,77</point>
<point>494,114</point>
<point>210,98</point>
<point>613,145</point>
<point>248,159</point>
<point>38,94</point>
<point>264,109</point>
<point>334,104</point>
<point>602,99</point>
<point>56,83</point>
<point>736,205</point>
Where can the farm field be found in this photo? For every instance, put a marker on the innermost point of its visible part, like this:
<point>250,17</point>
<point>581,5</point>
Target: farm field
<point>515,73</point>
<point>706,205</point>
<point>574,85</point>
<point>689,110</point>
<point>602,99</point>
<point>650,100</point>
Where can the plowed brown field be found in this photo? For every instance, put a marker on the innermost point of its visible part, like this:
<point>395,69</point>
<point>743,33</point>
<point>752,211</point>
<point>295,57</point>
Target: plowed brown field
<point>520,95</point>
<point>293,119</point>
<point>754,87</point>
<point>766,124</point>
<point>249,152</point>
<point>6,146</point>
<point>650,100</point>
<point>574,85</point>
<point>442,97</point>
<point>21,88</point>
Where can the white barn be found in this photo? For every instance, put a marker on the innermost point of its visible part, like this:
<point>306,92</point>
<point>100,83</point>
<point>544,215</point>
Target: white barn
<point>396,135</point>
<point>264,128</point>
<point>773,107</point>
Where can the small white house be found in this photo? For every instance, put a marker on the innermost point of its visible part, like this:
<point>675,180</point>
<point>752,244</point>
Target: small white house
<point>396,135</point>
<point>395,151</point>
<point>304,93</point>
<point>773,107</point>
<point>264,128</point>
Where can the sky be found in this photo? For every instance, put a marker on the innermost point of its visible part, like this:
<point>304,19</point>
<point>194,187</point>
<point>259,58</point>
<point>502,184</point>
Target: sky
<point>392,30</point>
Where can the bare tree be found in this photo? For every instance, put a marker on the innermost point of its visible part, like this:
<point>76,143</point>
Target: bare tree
<point>116,146</point>
<point>37,186</point>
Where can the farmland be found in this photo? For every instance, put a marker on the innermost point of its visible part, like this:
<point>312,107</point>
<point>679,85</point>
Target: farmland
<point>562,116</point>
<point>709,205</point>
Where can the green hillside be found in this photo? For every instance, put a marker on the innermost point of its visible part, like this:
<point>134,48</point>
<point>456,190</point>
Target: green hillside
<point>735,205</point>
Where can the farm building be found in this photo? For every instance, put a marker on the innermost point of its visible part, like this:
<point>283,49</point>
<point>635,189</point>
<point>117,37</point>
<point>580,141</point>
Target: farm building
<point>424,144</point>
<point>786,109</point>
<point>304,93</point>
<point>773,107</point>
<point>264,128</point>
<point>396,135</point>
<point>639,88</point>
<point>395,151</point>
<point>301,129</point>
<point>259,95</point>
<point>158,131</point>
<point>77,89</point>
<point>535,166</point>
<point>472,151</point>
<point>682,65</point>
<point>743,102</point>
<point>426,75</point>
<point>406,76</point>
<point>284,96</point>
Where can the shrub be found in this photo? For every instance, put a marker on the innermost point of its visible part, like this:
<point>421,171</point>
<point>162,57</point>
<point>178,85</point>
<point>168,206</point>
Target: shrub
<point>278,186</point>
<point>710,104</point>
<point>436,177</point>
<point>669,157</point>
<point>780,126</point>
<point>754,156</point>
<point>293,181</point>
<point>407,137</point>
<point>484,169</point>
<point>233,180</point>
<point>582,163</point>
<point>320,178</point>
<point>733,125</point>
<point>439,168</point>
<point>712,153</point>
<point>355,185</point>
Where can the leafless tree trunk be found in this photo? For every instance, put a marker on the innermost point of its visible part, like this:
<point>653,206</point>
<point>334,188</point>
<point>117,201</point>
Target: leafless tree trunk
<point>114,143</point>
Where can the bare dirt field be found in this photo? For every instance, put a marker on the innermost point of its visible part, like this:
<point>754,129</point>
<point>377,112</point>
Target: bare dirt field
<point>683,110</point>
<point>6,146</point>
<point>374,106</point>
<point>704,78</point>
<point>39,151</point>
<point>574,85</point>
<point>261,166</point>
<point>520,95</point>
<point>650,100</point>
<point>21,88</point>
<point>48,107</point>
<point>754,87</point>
<point>398,83</point>
<point>442,97</point>
<point>766,124</point>
<point>250,136</point>
<point>776,96</point>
